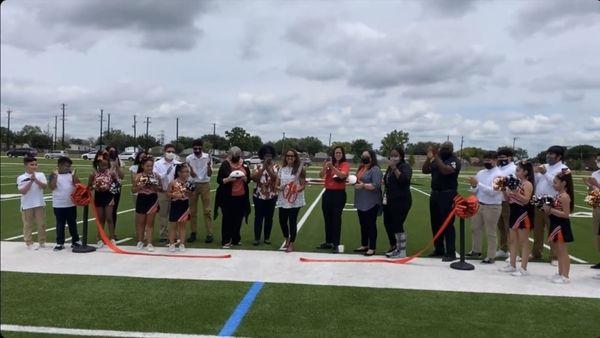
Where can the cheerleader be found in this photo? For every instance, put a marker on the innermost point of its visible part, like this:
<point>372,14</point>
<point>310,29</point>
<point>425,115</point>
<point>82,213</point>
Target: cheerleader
<point>520,219</point>
<point>101,180</point>
<point>560,223</point>
<point>146,184</point>
<point>179,213</point>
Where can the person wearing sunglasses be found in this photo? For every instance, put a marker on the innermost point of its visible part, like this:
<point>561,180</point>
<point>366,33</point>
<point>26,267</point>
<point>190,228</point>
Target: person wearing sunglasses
<point>201,169</point>
<point>291,181</point>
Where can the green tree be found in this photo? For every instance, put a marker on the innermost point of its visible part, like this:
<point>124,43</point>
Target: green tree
<point>116,138</point>
<point>6,136</point>
<point>254,143</point>
<point>470,152</point>
<point>521,153</point>
<point>358,146</point>
<point>216,141</point>
<point>183,142</point>
<point>393,139</point>
<point>238,136</point>
<point>419,148</point>
<point>347,146</point>
<point>310,144</point>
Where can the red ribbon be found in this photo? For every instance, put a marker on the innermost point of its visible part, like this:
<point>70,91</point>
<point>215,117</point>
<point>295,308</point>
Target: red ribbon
<point>463,208</point>
<point>118,250</point>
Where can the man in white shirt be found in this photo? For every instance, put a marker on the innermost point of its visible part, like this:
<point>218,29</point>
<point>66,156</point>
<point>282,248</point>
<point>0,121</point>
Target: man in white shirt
<point>490,207</point>
<point>593,183</point>
<point>165,167</point>
<point>201,169</point>
<point>508,167</point>
<point>31,185</point>
<point>544,177</point>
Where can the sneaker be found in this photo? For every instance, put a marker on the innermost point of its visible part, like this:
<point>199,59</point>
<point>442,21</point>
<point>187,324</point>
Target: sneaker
<point>508,268</point>
<point>76,244</point>
<point>29,246</point>
<point>554,262</point>
<point>36,246</point>
<point>561,280</point>
<point>140,245</point>
<point>58,247</point>
<point>181,248</point>
<point>227,246</point>
<point>100,244</point>
<point>325,246</point>
<point>554,276</point>
<point>501,254</point>
<point>390,250</point>
<point>171,247</point>
<point>192,238</point>
<point>597,266</point>
<point>397,254</point>
<point>473,254</point>
<point>449,258</point>
<point>113,241</point>
<point>256,242</point>
<point>209,239</point>
<point>267,241</point>
<point>487,261</point>
<point>150,247</point>
<point>520,272</point>
<point>508,259</point>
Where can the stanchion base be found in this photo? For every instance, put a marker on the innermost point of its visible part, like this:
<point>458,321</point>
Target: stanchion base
<point>461,265</point>
<point>84,249</point>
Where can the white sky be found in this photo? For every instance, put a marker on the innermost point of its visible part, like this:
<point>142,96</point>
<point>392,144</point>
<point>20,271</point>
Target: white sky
<point>488,70</point>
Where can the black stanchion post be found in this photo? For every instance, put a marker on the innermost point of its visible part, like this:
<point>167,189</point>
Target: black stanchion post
<point>462,264</point>
<point>83,248</point>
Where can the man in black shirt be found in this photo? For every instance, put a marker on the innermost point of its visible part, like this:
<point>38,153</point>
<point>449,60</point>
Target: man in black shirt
<point>444,168</point>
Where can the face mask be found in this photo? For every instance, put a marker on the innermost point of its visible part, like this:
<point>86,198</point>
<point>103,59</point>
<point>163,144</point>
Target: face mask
<point>235,159</point>
<point>551,160</point>
<point>488,166</point>
<point>445,154</point>
<point>502,163</point>
<point>365,160</point>
<point>169,156</point>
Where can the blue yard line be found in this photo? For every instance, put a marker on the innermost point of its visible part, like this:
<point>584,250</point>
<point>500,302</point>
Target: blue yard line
<point>240,311</point>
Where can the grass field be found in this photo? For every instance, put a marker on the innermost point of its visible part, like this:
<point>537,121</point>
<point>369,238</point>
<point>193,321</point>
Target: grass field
<point>202,307</point>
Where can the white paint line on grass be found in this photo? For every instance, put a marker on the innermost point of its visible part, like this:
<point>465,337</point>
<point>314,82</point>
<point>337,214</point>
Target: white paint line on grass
<point>54,228</point>
<point>94,333</point>
<point>306,214</point>
<point>123,240</point>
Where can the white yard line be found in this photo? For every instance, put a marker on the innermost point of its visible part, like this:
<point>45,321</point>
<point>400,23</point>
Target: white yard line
<point>94,333</point>
<point>306,214</point>
<point>54,228</point>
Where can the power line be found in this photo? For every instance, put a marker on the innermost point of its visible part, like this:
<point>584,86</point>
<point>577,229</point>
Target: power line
<point>147,125</point>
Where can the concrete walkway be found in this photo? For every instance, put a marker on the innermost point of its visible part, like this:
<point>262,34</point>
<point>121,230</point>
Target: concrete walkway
<point>279,267</point>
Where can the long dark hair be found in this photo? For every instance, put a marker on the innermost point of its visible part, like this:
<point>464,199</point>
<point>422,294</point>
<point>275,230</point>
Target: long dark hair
<point>332,154</point>
<point>373,157</point>
<point>143,161</point>
<point>179,168</point>
<point>100,155</point>
<point>401,154</point>
<point>295,165</point>
<point>528,167</point>
<point>138,157</point>
<point>565,176</point>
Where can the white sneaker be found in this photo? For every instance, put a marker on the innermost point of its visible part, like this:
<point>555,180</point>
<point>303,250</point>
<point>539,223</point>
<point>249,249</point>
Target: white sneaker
<point>42,245</point>
<point>554,276</point>
<point>517,260</point>
<point>501,254</point>
<point>140,245</point>
<point>520,272</point>
<point>508,268</point>
<point>150,247</point>
<point>29,246</point>
<point>36,246</point>
<point>181,248</point>
<point>171,248</point>
<point>561,280</point>
<point>113,242</point>
<point>100,244</point>
<point>554,262</point>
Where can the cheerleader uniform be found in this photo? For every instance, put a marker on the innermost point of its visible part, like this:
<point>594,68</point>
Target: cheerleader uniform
<point>103,197</point>
<point>180,207</point>
<point>521,214</point>
<point>147,198</point>
<point>560,228</point>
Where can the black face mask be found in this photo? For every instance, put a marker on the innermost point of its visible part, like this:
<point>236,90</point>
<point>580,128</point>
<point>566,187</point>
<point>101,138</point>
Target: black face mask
<point>235,159</point>
<point>445,154</point>
<point>502,163</point>
<point>488,166</point>
<point>365,160</point>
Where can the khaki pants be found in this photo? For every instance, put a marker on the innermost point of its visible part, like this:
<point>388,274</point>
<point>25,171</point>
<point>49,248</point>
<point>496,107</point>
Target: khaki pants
<point>541,222</point>
<point>487,217</point>
<point>202,192</point>
<point>37,216</point>
<point>503,227</point>
<point>164,204</point>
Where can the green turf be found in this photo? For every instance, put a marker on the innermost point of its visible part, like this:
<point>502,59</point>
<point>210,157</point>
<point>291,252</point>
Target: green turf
<point>285,310</point>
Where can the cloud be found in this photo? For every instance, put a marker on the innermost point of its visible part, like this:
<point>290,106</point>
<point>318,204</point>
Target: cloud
<point>153,24</point>
<point>447,7</point>
<point>554,17</point>
<point>316,69</point>
<point>567,81</point>
<point>536,124</point>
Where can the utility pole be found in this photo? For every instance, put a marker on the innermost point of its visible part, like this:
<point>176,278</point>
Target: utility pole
<point>329,140</point>
<point>514,142</point>
<point>134,127</point>
<point>147,124</point>
<point>63,127</point>
<point>108,126</point>
<point>462,139</point>
<point>55,132</point>
<point>101,121</point>
<point>8,112</point>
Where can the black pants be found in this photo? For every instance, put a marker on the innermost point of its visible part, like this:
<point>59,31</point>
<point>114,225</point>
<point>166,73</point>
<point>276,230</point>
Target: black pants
<point>394,216</point>
<point>263,212</point>
<point>231,223</point>
<point>440,205</point>
<point>116,199</point>
<point>368,227</point>
<point>288,220</point>
<point>333,205</point>
<point>66,216</point>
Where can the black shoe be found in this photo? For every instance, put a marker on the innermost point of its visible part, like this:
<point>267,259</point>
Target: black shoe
<point>256,242</point>
<point>209,239</point>
<point>597,266</point>
<point>58,247</point>
<point>435,254</point>
<point>325,246</point>
<point>487,261</point>
<point>449,258</point>
<point>267,241</point>
<point>192,238</point>
<point>75,244</point>
<point>473,254</point>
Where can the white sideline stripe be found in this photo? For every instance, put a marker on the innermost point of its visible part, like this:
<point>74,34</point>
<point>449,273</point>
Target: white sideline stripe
<point>54,228</point>
<point>123,240</point>
<point>306,214</point>
<point>576,259</point>
<point>96,333</point>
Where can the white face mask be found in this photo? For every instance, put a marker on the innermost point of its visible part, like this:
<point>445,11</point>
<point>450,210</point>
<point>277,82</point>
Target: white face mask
<point>169,156</point>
